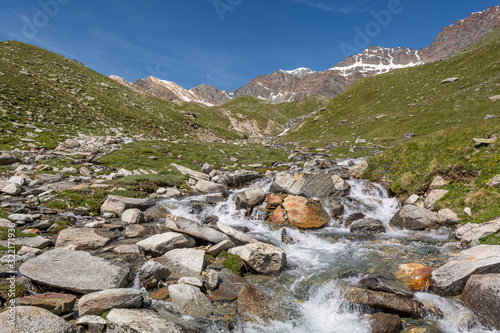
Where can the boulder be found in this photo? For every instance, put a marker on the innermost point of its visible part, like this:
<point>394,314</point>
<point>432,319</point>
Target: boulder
<point>37,242</point>
<point>77,271</point>
<point>414,218</point>
<point>438,182</point>
<point>136,230</point>
<point>183,262</point>
<point>385,301</point>
<point>385,323</point>
<point>54,302</point>
<point>367,227</point>
<point>240,178</point>
<point>194,229</point>
<point>101,301</point>
<point>191,173</point>
<point>310,185</point>
<point>207,168</point>
<point>189,300</point>
<point>482,295</point>
<point>133,216</point>
<point>84,238</point>
<point>305,213</point>
<point>250,197</point>
<point>141,320</point>
<point>415,276</point>
<point>494,182</point>
<point>450,279</point>
<point>19,180</point>
<point>240,237</point>
<point>6,159</point>
<point>117,204</point>
<point>94,323</point>
<point>254,306</point>
<point>156,213</point>
<point>230,281</point>
<point>34,320</point>
<point>158,245</point>
<point>151,273</point>
<point>472,231</point>
<point>207,187</point>
<point>447,216</point>
<point>263,258</point>
<point>386,283</point>
<point>11,189</point>
<point>433,197</point>
<point>357,170</point>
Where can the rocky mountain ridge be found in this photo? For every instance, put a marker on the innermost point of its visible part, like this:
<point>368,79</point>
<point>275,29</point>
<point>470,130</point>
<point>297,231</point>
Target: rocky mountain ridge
<point>286,86</point>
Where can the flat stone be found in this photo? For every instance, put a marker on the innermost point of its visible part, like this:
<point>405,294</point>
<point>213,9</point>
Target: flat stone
<point>37,242</point>
<point>127,249</point>
<point>91,320</point>
<point>6,159</point>
<point>414,200</point>
<point>191,281</point>
<point>414,218</point>
<point>207,187</point>
<point>472,231</point>
<point>219,247</point>
<point>450,279</point>
<point>183,262</point>
<point>48,178</point>
<point>20,217</point>
<point>265,259</point>
<point>194,174</point>
<point>6,223</point>
<point>101,301</point>
<point>151,273</point>
<point>234,234</point>
<point>34,320</point>
<point>117,204</point>
<point>11,189</point>
<point>482,296</point>
<point>433,197</point>
<point>310,185</point>
<point>135,230</point>
<point>451,79</point>
<point>189,300</point>
<point>77,271</point>
<point>386,283</point>
<point>222,296</point>
<point>367,227</point>
<point>357,170</point>
<point>141,321</point>
<point>54,302</point>
<point>194,229</point>
<point>447,216</point>
<point>84,238</point>
<point>158,245</point>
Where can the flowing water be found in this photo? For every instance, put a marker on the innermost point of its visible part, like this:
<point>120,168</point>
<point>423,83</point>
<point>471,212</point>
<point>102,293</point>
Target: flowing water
<point>320,262</point>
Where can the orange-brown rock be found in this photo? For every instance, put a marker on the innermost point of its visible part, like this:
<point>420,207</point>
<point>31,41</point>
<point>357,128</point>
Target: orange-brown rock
<point>415,276</point>
<point>305,213</point>
<point>278,216</point>
<point>160,294</point>
<point>274,200</point>
<point>54,302</point>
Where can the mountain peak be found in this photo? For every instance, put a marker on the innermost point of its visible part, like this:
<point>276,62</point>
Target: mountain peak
<point>299,72</point>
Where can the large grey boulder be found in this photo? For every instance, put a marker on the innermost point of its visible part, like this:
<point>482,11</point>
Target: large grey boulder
<point>310,185</point>
<point>263,258</point>
<point>34,320</point>
<point>189,300</point>
<point>117,204</point>
<point>250,197</point>
<point>240,237</point>
<point>414,218</point>
<point>367,226</point>
<point>76,271</point>
<point>482,296</point>
<point>152,272</point>
<point>84,238</point>
<point>207,187</point>
<point>472,231</point>
<point>101,301</point>
<point>141,321</point>
<point>450,279</point>
<point>183,262</point>
<point>433,197</point>
<point>194,229</point>
<point>158,245</point>
<point>133,216</point>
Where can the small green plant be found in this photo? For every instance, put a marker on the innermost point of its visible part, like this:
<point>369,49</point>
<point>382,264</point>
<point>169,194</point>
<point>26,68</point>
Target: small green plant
<point>105,314</point>
<point>61,225</point>
<point>5,289</point>
<point>56,204</point>
<point>232,262</point>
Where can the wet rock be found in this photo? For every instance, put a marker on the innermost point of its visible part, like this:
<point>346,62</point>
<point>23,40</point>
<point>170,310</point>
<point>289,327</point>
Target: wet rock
<point>333,206</point>
<point>54,302</point>
<point>194,229</point>
<point>222,296</point>
<point>433,197</point>
<point>117,204</point>
<point>278,216</point>
<point>263,258</point>
<point>448,217</point>
<point>240,178</point>
<point>415,276</point>
<point>34,320</point>
<point>151,273</point>
<point>11,189</point>
<point>473,231</point>
<point>136,230</point>
<point>310,185</point>
<point>141,320</point>
<point>414,218</point>
<point>482,296</point>
<point>84,238</point>
<point>231,281</point>
<point>352,218</point>
<point>101,301</point>
<point>6,159</point>
<point>189,300</point>
<point>367,227</point>
<point>305,213</point>
<point>183,262</point>
<point>158,245</point>
<point>207,187</point>
<point>385,301</point>
<point>357,170</point>
<point>133,216</point>
<point>450,279</point>
<point>219,247</point>
<point>160,294</point>
<point>386,283</point>
<point>76,271</point>
<point>438,182</point>
<point>274,200</point>
<point>250,197</point>
<point>234,234</point>
<point>385,323</point>
<point>254,306</point>
<point>156,213</point>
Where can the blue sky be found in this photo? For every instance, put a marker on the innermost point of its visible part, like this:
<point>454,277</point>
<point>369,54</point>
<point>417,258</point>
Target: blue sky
<point>225,43</point>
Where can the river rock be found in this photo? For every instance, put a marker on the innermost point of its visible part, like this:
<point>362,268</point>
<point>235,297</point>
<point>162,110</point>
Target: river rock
<point>250,197</point>
<point>482,295</point>
<point>433,197</point>
<point>133,216</point>
<point>34,320</point>
<point>156,213</point>
<point>473,231</point>
<point>211,280</point>
<point>151,273</point>
<point>77,271</point>
<point>414,218</point>
<point>255,306</point>
<point>11,189</point>
<point>136,230</point>
<point>310,185</point>
<point>158,245</point>
<point>357,170</point>
<point>333,206</point>
<point>84,238</point>
<point>415,276</point>
<point>447,216</point>
<point>219,247</point>
<point>265,259</point>
<point>231,281</point>
<point>6,159</point>
<point>386,283</point>
<point>189,300</point>
<point>141,321</point>
<point>207,187</point>
<point>450,279</point>
<point>194,229</point>
<point>183,262</point>
<point>117,204</point>
<point>385,323</point>
<point>234,234</point>
<point>54,302</point>
<point>305,213</point>
<point>101,301</point>
<point>386,301</point>
<point>367,227</point>
<point>240,178</point>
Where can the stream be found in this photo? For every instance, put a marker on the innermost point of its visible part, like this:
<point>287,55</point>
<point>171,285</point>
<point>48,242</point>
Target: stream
<point>309,291</point>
